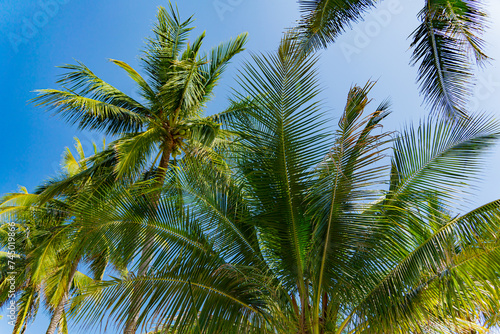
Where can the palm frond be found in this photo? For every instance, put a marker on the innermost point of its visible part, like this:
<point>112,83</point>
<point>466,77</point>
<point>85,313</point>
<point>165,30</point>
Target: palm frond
<point>444,43</point>
<point>323,21</point>
<point>146,91</point>
<point>133,151</point>
<point>283,142</point>
<point>345,181</point>
<point>81,80</point>
<point>441,157</point>
<point>170,37</point>
<point>89,113</point>
<point>430,261</point>
<point>218,59</point>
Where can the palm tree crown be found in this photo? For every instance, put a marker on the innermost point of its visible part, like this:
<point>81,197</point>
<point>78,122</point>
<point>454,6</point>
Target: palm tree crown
<point>309,232</point>
<point>180,80</point>
<point>47,253</point>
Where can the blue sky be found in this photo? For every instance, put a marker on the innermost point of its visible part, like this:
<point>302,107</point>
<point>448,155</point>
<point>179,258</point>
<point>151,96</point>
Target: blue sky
<point>36,36</point>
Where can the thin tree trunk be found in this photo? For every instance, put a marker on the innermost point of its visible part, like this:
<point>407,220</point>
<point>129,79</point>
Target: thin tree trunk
<point>58,312</point>
<point>146,256</point>
<point>325,313</point>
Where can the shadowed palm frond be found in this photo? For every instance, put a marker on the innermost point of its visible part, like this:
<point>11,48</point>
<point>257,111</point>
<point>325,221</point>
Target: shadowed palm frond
<point>286,131</point>
<point>444,44</point>
<point>323,21</point>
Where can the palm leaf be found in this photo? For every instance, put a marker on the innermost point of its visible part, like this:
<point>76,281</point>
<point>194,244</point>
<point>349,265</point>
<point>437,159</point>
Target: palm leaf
<point>384,306</point>
<point>444,43</point>
<point>345,181</point>
<point>323,21</point>
<point>90,113</point>
<point>283,141</point>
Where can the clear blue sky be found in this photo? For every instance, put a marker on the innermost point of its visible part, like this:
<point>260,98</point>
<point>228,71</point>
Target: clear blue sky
<point>36,37</point>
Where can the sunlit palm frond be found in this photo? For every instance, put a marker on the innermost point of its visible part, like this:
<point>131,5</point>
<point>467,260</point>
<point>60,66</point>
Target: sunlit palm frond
<point>170,37</point>
<point>81,80</point>
<point>134,151</point>
<point>218,59</point>
<point>440,157</point>
<point>394,296</point>
<point>89,113</point>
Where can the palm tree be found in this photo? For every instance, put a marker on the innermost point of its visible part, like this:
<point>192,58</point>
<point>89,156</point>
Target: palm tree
<point>47,250</point>
<point>445,45</point>
<point>309,231</point>
<point>167,120</point>
<point>180,81</point>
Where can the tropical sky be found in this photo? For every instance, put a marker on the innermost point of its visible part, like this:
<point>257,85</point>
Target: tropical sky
<point>36,36</point>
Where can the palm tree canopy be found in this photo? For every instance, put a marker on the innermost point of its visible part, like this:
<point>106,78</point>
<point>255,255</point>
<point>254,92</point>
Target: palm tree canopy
<point>309,231</point>
<point>46,243</point>
<point>166,120</point>
<point>306,229</point>
<point>180,79</point>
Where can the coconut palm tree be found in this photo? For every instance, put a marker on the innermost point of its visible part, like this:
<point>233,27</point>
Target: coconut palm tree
<point>18,220</point>
<point>47,252</point>
<point>166,120</point>
<point>309,231</point>
<point>168,116</point>
<point>445,45</point>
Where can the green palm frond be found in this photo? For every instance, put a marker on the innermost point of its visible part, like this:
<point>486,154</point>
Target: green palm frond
<point>80,79</point>
<point>218,59</point>
<point>220,208</point>
<point>440,157</point>
<point>203,131</point>
<point>134,150</point>
<point>448,37</point>
<point>344,184</point>
<point>169,296</point>
<point>238,111</point>
<point>181,94</point>
<point>89,113</point>
<point>446,44</point>
<point>121,217</point>
<point>47,255</point>
<point>146,91</point>
<point>27,309</point>
<point>170,37</point>
<point>72,165</point>
<point>284,144</point>
<point>430,263</point>
<point>323,21</point>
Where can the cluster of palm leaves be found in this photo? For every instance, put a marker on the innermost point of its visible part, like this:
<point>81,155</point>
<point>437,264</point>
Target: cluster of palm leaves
<point>264,218</point>
<point>447,45</point>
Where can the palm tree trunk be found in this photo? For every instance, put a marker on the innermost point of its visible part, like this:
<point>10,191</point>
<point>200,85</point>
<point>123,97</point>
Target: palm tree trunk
<point>325,313</point>
<point>146,256</point>
<point>58,312</point>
